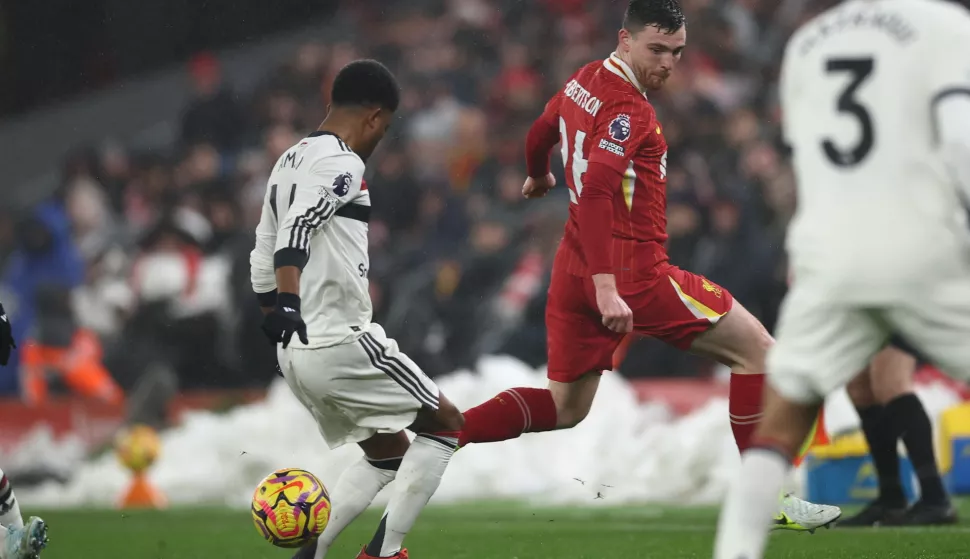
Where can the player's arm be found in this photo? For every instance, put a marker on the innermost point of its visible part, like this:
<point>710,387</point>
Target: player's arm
<point>262,275</point>
<point>618,135</point>
<point>953,123</point>
<point>786,86</point>
<point>542,137</point>
<point>949,82</point>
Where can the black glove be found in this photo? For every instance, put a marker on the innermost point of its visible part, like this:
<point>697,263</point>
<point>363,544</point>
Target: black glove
<point>6,338</point>
<point>285,319</point>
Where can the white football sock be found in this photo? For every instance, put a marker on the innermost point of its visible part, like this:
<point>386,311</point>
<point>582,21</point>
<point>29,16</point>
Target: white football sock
<point>354,492</point>
<point>4,531</point>
<point>9,508</point>
<point>752,501</point>
<point>420,474</point>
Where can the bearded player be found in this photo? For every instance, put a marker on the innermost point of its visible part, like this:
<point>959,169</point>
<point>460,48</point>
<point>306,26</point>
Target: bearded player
<point>611,275</point>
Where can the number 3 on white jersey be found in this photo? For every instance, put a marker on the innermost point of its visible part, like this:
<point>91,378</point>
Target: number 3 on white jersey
<point>579,162</point>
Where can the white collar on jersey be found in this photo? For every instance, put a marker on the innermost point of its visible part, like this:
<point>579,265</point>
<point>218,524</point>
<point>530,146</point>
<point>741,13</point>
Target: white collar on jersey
<point>617,66</point>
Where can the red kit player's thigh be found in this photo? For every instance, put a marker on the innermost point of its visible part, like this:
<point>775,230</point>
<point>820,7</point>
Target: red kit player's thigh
<point>677,307</point>
<point>577,341</point>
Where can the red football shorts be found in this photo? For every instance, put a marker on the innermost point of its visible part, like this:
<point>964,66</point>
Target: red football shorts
<point>674,306</point>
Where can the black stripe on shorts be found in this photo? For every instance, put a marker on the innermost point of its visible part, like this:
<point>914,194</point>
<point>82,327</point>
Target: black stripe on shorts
<point>397,371</point>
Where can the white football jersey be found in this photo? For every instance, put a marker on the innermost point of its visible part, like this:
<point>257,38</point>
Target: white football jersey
<point>316,203</point>
<point>878,208</point>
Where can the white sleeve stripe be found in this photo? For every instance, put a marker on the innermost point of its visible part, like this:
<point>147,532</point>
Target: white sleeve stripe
<point>310,221</point>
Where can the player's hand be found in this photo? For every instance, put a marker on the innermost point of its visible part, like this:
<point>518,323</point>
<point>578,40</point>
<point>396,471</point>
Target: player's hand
<point>285,320</point>
<point>7,342</point>
<point>617,316</point>
<point>537,187</point>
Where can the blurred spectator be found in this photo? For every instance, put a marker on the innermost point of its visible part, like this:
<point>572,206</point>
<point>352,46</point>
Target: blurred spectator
<point>213,115</point>
<point>42,272</point>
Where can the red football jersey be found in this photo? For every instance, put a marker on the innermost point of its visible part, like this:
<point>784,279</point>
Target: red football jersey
<point>603,116</point>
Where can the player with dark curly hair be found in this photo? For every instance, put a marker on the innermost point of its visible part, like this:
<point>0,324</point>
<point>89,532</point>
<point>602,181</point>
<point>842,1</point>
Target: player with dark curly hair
<point>309,271</point>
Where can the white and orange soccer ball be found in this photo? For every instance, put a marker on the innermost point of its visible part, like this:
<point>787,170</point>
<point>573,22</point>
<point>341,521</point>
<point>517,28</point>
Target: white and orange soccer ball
<point>290,507</point>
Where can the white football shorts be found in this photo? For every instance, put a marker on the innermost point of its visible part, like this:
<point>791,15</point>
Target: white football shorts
<point>823,343</point>
<point>356,390</point>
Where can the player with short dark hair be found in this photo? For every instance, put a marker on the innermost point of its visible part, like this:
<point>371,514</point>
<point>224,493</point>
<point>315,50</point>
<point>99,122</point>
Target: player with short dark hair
<point>611,275</point>
<point>17,540</point>
<point>363,84</point>
<point>311,262</point>
<point>666,15</point>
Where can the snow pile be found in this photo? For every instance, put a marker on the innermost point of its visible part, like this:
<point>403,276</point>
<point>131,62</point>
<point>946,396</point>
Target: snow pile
<point>625,451</point>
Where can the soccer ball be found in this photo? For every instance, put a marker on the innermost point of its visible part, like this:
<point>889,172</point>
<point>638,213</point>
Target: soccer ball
<point>137,447</point>
<point>290,507</point>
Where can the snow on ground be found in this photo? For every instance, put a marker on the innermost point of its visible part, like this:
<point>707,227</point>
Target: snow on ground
<point>625,451</point>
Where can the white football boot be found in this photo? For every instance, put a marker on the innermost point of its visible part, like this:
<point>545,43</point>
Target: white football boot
<point>26,542</point>
<point>801,516</point>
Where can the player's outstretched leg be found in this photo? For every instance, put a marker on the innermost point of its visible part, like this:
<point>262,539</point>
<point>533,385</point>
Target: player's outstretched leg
<point>508,415</point>
<point>530,410</point>
<point>24,542</point>
<point>746,516</point>
<point>889,409</point>
<point>418,478</point>
<point>741,342</point>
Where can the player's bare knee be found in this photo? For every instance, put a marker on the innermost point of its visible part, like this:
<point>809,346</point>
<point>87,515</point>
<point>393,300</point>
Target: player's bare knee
<point>892,375</point>
<point>384,446</point>
<point>571,413</point>
<point>450,416</point>
<point>567,419</point>
<point>447,417</point>
<point>738,340</point>
<point>892,387</point>
<point>759,342</point>
<point>859,390</point>
<point>574,399</point>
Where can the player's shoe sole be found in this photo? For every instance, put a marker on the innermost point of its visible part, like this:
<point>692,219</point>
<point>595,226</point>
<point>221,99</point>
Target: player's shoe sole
<point>782,522</point>
<point>403,554</point>
<point>798,515</point>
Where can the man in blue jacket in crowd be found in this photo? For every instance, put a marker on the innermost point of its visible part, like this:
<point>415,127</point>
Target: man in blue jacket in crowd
<point>45,268</point>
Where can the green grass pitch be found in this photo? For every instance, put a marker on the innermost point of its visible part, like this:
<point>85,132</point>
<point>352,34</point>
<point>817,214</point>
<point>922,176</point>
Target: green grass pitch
<point>481,531</point>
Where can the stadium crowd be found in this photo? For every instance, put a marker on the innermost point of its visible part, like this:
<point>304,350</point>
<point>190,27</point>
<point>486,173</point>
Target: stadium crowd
<point>140,260</point>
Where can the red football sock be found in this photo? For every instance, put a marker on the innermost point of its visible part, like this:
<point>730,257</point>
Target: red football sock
<point>745,407</point>
<point>508,415</point>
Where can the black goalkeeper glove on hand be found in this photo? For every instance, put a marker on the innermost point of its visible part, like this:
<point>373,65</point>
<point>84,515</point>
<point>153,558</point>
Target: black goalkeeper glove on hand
<point>6,338</point>
<point>285,319</point>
